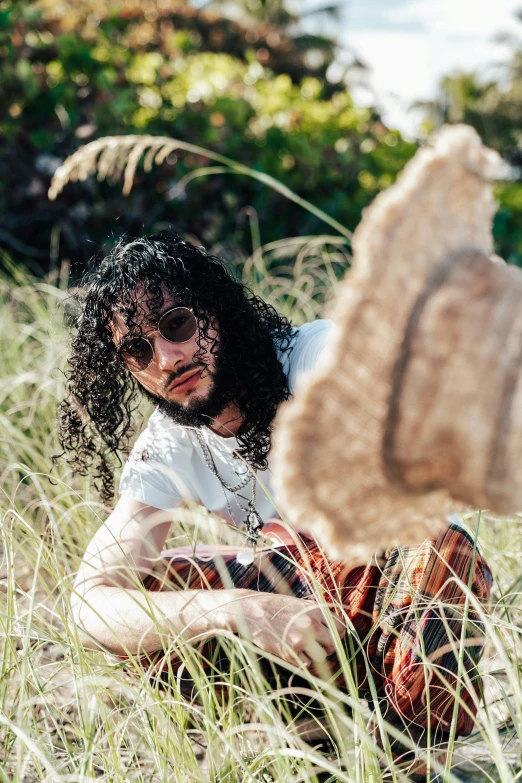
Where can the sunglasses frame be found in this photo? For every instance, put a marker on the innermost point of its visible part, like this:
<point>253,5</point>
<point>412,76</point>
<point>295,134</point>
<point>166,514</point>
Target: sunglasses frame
<point>151,343</point>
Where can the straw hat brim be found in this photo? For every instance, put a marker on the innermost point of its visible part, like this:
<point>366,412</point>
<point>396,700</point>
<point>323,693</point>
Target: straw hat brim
<point>340,473</point>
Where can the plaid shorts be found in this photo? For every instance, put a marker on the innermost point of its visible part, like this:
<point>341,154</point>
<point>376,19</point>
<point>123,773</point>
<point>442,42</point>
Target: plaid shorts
<point>406,608</point>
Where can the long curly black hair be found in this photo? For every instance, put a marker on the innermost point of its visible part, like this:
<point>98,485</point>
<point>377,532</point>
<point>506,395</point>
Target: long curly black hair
<point>95,420</point>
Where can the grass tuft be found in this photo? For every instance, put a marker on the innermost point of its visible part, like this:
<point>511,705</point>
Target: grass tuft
<point>67,715</point>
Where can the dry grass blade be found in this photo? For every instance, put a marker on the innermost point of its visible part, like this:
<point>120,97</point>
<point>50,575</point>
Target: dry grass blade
<point>110,154</point>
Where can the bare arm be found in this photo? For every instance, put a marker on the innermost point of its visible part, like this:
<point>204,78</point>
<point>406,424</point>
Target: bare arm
<point>113,613</point>
<point>111,610</point>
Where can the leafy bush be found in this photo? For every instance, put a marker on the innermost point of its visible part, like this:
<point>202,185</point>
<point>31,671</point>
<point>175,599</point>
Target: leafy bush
<point>199,78</point>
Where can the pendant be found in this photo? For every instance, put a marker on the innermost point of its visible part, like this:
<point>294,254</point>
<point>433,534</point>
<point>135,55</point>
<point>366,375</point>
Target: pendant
<point>254,525</point>
<point>246,557</point>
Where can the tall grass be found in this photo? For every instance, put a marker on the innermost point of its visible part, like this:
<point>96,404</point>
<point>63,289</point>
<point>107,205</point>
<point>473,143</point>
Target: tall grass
<point>70,715</point>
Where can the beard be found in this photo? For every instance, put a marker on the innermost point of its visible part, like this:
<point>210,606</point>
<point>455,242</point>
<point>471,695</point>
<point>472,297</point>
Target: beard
<point>201,411</point>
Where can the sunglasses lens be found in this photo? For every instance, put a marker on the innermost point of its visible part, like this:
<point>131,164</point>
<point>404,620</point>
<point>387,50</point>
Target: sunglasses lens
<point>137,354</point>
<point>178,325</point>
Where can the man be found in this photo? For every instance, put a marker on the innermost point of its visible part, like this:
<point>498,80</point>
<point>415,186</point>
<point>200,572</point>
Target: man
<point>162,318</point>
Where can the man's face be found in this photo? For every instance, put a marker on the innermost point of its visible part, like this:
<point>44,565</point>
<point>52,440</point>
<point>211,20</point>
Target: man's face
<point>190,389</point>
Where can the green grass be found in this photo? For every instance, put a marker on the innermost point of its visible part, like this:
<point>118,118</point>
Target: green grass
<point>70,715</point>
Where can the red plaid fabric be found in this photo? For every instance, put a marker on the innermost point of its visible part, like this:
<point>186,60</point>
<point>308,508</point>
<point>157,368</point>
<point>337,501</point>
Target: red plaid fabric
<point>406,608</point>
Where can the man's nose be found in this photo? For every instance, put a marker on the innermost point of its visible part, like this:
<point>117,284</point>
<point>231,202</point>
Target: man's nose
<point>168,355</point>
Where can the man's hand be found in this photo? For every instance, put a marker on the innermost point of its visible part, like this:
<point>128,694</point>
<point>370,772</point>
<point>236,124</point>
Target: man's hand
<point>292,629</point>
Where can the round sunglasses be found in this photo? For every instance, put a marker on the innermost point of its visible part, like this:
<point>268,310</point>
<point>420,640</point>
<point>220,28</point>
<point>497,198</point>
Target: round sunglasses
<point>177,325</point>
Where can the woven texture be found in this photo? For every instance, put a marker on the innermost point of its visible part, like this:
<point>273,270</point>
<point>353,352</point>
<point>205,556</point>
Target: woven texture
<point>405,608</point>
<point>406,418</point>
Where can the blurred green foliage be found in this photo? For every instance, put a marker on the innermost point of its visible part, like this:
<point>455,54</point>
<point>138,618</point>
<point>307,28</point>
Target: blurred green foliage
<point>75,71</point>
<point>493,106</point>
<point>257,92</point>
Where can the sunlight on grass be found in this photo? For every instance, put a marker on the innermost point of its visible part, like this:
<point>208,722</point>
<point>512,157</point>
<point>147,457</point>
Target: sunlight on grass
<point>71,715</point>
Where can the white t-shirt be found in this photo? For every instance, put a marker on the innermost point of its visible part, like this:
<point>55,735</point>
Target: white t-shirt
<point>167,467</point>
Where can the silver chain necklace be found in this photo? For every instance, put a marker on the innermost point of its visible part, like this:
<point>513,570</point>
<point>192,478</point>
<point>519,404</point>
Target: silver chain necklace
<point>253,521</point>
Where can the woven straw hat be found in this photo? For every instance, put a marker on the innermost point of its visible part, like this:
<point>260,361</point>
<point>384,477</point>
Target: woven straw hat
<point>416,407</point>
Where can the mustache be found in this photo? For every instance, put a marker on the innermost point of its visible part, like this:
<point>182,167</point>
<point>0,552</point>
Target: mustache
<point>173,376</point>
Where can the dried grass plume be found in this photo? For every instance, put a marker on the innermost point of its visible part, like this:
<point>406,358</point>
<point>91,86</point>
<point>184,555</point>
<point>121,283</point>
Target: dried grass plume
<point>114,156</point>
